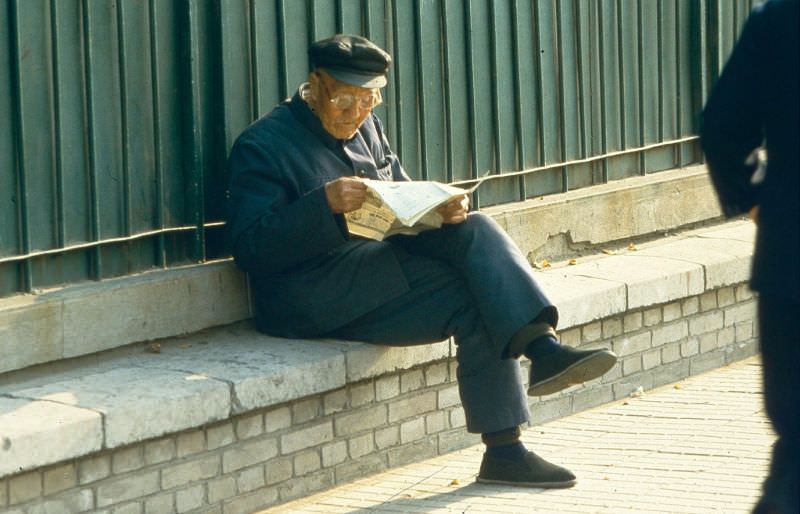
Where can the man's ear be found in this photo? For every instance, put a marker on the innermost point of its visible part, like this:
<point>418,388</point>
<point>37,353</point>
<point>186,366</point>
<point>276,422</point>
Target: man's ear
<point>314,86</point>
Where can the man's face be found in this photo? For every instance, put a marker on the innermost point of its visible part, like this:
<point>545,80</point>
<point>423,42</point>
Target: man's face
<point>340,107</point>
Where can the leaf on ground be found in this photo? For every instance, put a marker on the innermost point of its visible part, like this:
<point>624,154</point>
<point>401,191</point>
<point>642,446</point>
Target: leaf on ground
<point>608,252</point>
<point>573,262</point>
<point>678,386</point>
<point>544,263</point>
<point>153,348</point>
<point>455,481</point>
<point>632,247</point>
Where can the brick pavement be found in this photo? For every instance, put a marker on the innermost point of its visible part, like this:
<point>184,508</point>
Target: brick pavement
<point>699,446</point>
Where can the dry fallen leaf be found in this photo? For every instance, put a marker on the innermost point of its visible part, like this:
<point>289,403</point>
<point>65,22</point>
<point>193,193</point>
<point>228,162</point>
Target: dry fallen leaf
<point>154,348</point>
<point>632,247</point>
<point>609,252</point>
<point>544,263</point>
<point>455,482</point>
<point>678,386</point>
<point>573,262</point>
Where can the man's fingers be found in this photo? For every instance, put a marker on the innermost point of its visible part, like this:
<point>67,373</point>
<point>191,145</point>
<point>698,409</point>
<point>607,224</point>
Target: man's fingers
<point>345,194</point>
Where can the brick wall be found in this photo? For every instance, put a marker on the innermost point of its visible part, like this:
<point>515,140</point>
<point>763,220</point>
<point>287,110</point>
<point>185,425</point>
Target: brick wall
<point>271,456</point>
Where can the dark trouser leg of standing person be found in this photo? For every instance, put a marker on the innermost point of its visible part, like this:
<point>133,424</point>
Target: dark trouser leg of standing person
<point>780,354</point>
<point>437,306</point>
<point>517,314</point>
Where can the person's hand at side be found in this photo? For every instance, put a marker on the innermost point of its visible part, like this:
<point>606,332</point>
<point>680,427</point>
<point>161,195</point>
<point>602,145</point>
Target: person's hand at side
<point>345,194</point>
<point>753,214</point>
<point>455,211</point>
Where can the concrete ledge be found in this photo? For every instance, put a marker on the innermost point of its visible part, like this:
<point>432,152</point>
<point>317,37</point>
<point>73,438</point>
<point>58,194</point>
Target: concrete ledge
<point>97,316</point>
<point>620,210</point>
<point>33,433</point>
<point>87,318</point>
<point>219,373</point>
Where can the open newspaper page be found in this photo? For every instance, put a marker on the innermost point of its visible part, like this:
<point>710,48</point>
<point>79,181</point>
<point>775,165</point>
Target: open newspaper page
<point>401,208</point>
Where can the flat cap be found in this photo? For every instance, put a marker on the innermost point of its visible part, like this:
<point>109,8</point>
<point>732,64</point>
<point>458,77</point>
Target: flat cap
<point>354,60</point>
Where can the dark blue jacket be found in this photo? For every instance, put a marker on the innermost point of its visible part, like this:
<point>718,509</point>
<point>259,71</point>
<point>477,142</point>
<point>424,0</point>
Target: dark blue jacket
<point>755,100</point>
<point>309,276</point>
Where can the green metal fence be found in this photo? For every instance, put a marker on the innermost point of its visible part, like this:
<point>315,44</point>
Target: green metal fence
<point>116,115</point>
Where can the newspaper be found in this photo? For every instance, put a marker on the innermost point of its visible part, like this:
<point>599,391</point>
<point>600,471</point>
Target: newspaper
<point>406,207</point>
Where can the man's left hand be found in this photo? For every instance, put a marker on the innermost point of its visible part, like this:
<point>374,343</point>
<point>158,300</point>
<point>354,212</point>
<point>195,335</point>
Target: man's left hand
<point>455,211</point>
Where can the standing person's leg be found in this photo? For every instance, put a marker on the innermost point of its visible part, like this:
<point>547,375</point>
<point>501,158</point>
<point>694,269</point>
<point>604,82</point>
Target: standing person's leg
<point>437,306</point>
<point>780,354</point>
<point>516,312</point>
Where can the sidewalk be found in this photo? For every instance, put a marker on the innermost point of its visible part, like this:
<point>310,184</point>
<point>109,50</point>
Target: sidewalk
<point>699,446</point>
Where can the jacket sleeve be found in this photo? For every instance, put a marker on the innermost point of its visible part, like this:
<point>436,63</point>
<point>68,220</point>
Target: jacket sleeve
<point>732,121</point>
<point>270,227</point>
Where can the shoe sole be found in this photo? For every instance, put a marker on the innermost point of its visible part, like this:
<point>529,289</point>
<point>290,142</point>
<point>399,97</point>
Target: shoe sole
<point>588,368</point>
<point>538,485</point>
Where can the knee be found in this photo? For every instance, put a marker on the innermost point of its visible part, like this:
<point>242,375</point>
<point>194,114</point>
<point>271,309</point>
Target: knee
<point>479,221</point>
<point>477,224</point>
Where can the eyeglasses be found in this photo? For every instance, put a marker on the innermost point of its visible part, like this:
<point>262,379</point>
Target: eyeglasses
<point>344,101</point>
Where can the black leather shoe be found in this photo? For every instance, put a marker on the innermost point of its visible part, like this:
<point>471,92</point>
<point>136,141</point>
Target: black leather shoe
<point>532,471</point>
<point>567,367</point>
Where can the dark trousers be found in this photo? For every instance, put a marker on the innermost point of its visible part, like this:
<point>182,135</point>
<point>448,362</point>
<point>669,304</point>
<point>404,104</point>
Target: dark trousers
<point>469,281</point>
<point>780,353</point>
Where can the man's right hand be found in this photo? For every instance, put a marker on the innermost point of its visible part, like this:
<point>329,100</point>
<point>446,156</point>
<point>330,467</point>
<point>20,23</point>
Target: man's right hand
<point>345,194</point>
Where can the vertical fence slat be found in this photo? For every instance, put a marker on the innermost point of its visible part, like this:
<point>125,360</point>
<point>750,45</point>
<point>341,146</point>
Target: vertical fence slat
<point>23,199</point>
<point>421,92</point>
<point>153,26</point>
<point>126,144</point>
<point>96,263</point>
<point>192,142</point>
<point>519,127</point>
<point>58,165</point>
<point>122,60</point>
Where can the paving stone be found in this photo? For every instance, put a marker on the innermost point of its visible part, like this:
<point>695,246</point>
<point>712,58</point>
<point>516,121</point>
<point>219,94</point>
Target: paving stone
<point>247,454</point>
<point>193,470</point>
<point>129,488</point>
<point>263,370</point>
<point>31,331</point>
<point>677,463</point>
<point>189,498</point>
<point>159,451</point>
<point>140,403</point>
<point>24,487</point>
<point>582,299</point>
<point>38,433</point>
<point>59,478</point>
<point>368,360</point>
<point>93,469</point>
<point>725,261</point>
<point>72,502</point>
<point>160,504</point>
<point>650,279</point>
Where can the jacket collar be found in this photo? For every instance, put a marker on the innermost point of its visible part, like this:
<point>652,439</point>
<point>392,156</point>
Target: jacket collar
<point>306,116</point>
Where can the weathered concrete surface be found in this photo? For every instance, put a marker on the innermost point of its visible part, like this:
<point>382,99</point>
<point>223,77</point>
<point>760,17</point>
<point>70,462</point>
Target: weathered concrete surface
<point>725,261</point>
<point>262,370</point>
<point>152,306</point>
<point>209,375</point>
<point>88,318</point>
<point>31,331</point>
<point>139,403</point>
<point>37,433</point>
<point>650,280</point>
<point>582,299</point>
<point>367,361</point>
<point>618,210</point>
